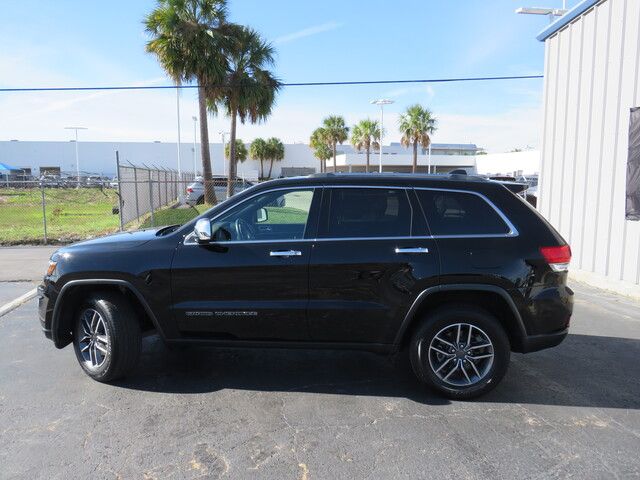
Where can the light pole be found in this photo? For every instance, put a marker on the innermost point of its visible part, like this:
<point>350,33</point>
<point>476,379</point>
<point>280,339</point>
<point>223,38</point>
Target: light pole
<point>178,118</point>
<point>382,102</point>
<point>224,156</point>
<point>551,13</point>
<point>195,153</point>
<point>77,156</point>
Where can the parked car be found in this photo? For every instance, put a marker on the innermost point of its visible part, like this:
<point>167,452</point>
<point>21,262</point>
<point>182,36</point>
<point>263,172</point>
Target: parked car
<point>531,193</point>
<point>458,270</point>
<point>95,181</point>
<point>50,181</point>
<point>195,190</point>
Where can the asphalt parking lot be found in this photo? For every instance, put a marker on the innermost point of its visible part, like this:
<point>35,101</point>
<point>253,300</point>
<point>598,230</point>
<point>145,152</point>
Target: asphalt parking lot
<point>572,411</point>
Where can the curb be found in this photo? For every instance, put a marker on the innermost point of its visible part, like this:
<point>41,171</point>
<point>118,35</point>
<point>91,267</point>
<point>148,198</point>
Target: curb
<point>13,304</point>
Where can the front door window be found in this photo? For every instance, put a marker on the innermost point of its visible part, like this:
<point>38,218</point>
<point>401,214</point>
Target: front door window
<point>271,216</point>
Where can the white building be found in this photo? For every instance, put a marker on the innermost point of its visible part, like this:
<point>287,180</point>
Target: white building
<point>443,158</point>
<point>514,164</point>
<point>100,157</point>
<point>592,81</point>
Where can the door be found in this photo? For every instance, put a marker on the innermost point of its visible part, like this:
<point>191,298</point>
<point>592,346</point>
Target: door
<point>476,240</point>
<point>251,282</point>
<point>372,254</point>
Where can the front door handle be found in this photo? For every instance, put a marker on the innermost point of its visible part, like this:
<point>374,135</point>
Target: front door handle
<point>285,253</point>
<point>412,250</point>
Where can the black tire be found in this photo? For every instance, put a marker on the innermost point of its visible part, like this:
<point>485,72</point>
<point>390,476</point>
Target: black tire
<point>448,317</point>
<point>122,329</point>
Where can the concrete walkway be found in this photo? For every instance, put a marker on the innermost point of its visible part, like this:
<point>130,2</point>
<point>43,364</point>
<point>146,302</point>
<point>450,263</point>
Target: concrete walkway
<point>24,264</point>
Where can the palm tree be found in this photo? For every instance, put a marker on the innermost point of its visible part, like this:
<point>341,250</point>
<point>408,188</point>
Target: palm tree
<point>336,131</point>
<point>275,152</point>
<point>258,151</point>
<point>241,150</point>
<point>321,148</point>
<point>417,124</point>
<point>323,153</point>
<point>249,89</point>
<point>188,37</point>
<point>365,136</point>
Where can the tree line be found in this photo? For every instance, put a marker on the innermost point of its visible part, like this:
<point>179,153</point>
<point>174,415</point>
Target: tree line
<point>416,125</point>
<point>194,42</point>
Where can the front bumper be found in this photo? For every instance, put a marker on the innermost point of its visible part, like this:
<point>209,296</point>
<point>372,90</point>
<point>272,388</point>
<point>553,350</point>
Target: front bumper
<point>46,302</point>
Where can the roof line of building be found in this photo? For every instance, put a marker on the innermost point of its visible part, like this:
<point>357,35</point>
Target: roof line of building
<point>564,20</point>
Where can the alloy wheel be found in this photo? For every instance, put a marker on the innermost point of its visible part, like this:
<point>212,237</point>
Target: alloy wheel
<point>460,355</point>
<point>94,343</point>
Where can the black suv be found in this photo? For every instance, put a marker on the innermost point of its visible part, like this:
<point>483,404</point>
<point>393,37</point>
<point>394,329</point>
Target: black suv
<point>459,270</point>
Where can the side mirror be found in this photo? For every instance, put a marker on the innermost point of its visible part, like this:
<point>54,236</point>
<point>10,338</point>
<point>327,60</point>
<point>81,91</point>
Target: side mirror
<point>203,230</point>
<point>262,215</point>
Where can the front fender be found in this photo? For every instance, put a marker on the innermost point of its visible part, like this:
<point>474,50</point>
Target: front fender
<point>61,323</point>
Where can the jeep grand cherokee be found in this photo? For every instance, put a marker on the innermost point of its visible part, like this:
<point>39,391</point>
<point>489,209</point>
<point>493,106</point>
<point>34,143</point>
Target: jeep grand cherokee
<point>458,270</point>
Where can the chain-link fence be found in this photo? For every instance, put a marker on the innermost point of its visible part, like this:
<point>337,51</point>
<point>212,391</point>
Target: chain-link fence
<point>48,211</point>
<point>143,191</point>
<point>62,209</point>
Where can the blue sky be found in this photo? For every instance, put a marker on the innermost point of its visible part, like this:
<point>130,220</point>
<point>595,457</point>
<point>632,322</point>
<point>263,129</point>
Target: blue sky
<point>74,43</point>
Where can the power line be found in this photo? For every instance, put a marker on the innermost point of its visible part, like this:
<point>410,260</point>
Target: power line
<point>297,84</point>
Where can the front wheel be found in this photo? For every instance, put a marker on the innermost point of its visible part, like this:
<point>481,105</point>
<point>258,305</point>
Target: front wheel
<point>460,351</point>
<point>107,338</point>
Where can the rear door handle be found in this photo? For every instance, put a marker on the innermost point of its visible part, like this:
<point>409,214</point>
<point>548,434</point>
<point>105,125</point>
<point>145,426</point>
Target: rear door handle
<point>285,253</point>
<point>412,250</point>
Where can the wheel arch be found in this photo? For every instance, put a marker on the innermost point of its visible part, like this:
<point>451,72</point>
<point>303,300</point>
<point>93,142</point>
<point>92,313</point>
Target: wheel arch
<point>495,300</point>
<point>75,290</point>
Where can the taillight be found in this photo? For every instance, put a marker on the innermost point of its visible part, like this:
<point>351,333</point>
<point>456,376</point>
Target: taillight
<point>558,258</point>
<point>189,190</point>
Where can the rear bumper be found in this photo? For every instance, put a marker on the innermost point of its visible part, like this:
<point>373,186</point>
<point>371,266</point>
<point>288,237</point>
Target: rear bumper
<point>547,316</point>
<point>533,343</point>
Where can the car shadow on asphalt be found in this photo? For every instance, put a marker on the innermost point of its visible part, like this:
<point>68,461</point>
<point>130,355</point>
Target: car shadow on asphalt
<point>585,371</point>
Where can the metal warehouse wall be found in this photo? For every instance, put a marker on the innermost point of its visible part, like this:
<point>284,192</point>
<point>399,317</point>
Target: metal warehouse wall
<point>591,82</point>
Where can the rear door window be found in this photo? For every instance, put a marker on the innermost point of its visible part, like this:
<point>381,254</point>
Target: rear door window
<point>460,213</point>
<point>367,212</point>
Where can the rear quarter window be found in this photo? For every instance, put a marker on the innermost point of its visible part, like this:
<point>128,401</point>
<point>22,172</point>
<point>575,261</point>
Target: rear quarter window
<point>460,213</point>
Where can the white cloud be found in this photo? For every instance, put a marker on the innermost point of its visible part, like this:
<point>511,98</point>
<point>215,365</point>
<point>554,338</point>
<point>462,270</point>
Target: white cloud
<point>501,132</point>
<point>151,115</point>
<point>307,32</point>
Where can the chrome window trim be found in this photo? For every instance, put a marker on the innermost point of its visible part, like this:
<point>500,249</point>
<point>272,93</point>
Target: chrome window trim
<point>513,231</point>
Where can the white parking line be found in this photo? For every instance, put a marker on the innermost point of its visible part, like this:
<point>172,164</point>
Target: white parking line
<point>13,304</point>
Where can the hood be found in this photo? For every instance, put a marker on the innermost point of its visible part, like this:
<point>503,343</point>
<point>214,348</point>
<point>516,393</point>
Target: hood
<point>116,240</point>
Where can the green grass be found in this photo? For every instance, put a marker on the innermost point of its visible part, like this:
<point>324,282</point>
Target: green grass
<point>173,216</point>
<point>77,214</point>
<point>72,214</point>
<point>286,215</point>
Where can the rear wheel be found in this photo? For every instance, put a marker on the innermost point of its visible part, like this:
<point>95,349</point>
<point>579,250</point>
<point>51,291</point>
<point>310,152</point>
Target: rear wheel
<point>107,338</point>
<point>462,352</point>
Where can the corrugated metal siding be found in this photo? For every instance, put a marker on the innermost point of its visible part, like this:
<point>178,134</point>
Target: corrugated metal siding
<point>591,82</point>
